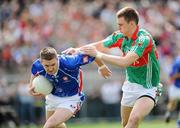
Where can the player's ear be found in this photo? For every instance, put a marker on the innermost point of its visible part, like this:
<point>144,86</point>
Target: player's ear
<point>132,23</point>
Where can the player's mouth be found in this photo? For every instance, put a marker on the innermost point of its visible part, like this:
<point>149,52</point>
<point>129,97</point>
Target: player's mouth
<point>50,72</point>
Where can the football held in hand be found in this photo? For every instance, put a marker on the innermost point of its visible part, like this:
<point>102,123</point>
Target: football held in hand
<point>42,85</point>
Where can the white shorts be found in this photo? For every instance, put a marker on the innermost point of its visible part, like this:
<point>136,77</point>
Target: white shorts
<point>174,92</point>
<point>72,103</point>
<point>133,91</point>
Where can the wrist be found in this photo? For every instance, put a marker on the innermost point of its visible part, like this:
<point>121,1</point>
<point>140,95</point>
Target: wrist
<point>77,49</point>
<point>99,55</point>
<point>101,67</point>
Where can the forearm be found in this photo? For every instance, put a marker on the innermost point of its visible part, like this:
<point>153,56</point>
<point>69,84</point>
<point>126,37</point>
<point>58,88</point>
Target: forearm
<point>98,62</point>
<point>117,60</point>
<point>99,46</point>
<point>114,60</point>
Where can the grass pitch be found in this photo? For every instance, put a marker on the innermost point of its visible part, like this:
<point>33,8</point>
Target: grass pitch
<point>146,124</point>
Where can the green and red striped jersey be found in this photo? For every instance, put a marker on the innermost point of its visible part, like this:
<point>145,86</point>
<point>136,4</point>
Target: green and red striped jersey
<point>146,70</point>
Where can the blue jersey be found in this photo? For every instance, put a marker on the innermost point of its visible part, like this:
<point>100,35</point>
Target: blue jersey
<point>175,70</point>
<point>67,81</point>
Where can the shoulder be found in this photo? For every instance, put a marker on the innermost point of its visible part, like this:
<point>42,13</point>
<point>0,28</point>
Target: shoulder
<point>112,39</point>
<point>37,64</point>
<point>117,34</point>
<point>67,60</point>
<point>37,67</point>
<point>143,36</point>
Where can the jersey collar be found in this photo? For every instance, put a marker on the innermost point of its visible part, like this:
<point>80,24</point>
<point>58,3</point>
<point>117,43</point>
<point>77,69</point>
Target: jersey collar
<point>135,34</point>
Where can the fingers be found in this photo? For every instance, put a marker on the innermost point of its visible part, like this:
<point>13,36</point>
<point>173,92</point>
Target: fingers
<point>89,50</point>
<point>69,51</point>
<point>105,73</point>
<point>33,93</point>
<point>38,94</point>
<point>65,51</point>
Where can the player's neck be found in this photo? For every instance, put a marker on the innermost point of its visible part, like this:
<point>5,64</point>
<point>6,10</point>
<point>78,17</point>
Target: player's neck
<point>131,32</point>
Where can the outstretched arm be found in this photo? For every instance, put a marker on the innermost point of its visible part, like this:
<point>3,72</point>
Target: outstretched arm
<point>102,68</point>
<point>125,61</point>
<point>99,46</point>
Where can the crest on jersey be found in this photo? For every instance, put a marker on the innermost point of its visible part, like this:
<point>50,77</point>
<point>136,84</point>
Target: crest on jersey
<point>140,43</point>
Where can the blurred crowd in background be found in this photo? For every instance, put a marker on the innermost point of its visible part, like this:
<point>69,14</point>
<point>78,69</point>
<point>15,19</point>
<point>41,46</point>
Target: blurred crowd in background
<point>29,25</point>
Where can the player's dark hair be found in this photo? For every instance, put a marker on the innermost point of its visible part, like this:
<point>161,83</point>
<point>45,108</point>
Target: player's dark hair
<point>129,14</point>
<point>48,53</point>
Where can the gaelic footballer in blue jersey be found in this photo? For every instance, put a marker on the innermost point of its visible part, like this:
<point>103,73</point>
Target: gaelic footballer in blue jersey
<point>64,72</point>
<point>174,89</point>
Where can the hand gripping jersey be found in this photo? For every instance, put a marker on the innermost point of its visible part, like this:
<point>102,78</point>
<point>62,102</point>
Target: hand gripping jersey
<point>67,81</point>
<point>176,70</point>
<point>146,70</point>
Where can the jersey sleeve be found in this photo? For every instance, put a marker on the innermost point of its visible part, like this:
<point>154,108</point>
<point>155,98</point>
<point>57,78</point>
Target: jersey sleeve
<point>175,69</point>
<point>142,45</point>
<point>114,40</point>
<point>34,69</point>
<point>73,61</point>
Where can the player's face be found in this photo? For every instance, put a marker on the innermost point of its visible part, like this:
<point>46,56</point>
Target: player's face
<point>51,66</point>
<point>124,26</point>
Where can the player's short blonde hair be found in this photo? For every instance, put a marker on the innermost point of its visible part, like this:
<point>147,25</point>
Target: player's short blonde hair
<point>48,53</point>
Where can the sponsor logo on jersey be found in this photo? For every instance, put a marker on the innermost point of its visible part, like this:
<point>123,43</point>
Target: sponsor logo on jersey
<point>65,78</point>
<point>85,59</point>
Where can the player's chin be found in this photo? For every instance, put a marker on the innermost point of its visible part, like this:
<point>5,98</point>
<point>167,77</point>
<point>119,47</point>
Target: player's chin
<point>51,73</point>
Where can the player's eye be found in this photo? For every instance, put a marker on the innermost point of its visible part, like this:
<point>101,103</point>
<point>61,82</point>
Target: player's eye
<point>46,66</point>
<point>53,65</point>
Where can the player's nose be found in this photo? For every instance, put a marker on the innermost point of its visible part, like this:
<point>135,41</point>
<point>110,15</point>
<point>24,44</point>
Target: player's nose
<point>50,69</point>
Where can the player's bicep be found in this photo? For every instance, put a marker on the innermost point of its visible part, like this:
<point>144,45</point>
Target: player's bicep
<point>34,69</point>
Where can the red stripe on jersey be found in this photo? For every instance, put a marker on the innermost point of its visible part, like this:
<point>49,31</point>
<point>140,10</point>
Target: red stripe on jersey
<point>80,81</point>
<point>144,59</point>
<point>156,53</point>
<point>118,43</point>
<point>135,34</point>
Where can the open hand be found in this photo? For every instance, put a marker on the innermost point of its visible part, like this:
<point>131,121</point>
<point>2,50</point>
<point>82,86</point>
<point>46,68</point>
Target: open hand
<point>105,72</point>
<point>33,93</point>
<point>89,50</point>
<point>70,51</point>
